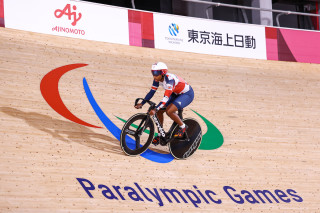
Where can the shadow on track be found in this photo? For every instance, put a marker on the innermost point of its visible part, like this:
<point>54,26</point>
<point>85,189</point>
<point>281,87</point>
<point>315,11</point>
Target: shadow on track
<point>66,131</point>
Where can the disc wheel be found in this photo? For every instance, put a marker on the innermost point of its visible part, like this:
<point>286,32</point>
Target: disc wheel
<point>181,148</point>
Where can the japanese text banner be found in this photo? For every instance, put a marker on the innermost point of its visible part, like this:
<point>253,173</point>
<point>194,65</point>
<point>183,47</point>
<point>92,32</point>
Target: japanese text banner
<point>209,36</point>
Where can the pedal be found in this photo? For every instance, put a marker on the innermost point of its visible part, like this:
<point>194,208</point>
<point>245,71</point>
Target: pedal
<point>156,141</point>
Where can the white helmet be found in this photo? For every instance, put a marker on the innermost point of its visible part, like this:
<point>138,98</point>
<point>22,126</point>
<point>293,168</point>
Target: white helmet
<point>159,68</point>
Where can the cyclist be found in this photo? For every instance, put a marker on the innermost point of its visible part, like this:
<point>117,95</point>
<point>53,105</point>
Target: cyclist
<point>178,94</point>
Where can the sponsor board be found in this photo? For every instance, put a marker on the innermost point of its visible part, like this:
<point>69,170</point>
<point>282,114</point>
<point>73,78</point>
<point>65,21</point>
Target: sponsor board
<point>209,37</point>
<point>96,22</point>
<point>69,18</point>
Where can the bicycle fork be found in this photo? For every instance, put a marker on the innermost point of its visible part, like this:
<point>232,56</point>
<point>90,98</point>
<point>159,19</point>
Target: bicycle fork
<point>141,130</point>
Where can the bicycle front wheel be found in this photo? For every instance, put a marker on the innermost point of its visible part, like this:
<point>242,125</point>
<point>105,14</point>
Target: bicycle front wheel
<point>137,134</point>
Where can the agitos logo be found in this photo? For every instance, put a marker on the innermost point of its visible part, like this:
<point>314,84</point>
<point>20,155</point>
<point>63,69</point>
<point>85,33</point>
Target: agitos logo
<point>212,139</point>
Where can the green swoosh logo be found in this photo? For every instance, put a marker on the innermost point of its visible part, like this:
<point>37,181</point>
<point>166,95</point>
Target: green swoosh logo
<point>212,139</point>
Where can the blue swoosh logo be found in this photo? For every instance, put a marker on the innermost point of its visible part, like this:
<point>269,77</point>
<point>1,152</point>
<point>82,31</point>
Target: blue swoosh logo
<point>116,132</point>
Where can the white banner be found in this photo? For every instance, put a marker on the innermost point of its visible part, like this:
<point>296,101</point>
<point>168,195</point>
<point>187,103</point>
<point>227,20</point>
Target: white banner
<point>209,36</point>
<point>69,18</point>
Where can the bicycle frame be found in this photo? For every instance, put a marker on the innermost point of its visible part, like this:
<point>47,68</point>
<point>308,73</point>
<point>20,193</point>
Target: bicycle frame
<point>158,124</point>
<point>163,134</point>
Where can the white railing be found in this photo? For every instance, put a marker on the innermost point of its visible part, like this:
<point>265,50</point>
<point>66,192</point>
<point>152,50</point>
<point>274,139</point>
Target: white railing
<point>133,5</point>
<point>281,12</point>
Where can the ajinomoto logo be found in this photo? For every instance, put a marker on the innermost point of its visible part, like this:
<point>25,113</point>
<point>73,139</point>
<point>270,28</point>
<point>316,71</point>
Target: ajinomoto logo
<point>70,13</point>
<point>212,139</point>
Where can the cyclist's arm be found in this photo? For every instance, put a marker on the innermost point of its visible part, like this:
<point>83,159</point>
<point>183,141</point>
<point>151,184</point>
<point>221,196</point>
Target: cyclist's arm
<point>152,91</point>
<point>166,96</point>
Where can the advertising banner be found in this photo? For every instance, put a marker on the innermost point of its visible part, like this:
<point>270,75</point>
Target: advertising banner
<point>84,20</point>
<point>69,18</point>
<point>209,36</point>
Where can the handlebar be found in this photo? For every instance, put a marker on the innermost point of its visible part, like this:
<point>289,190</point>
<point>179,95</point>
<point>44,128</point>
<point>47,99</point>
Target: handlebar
<point>152,104</point>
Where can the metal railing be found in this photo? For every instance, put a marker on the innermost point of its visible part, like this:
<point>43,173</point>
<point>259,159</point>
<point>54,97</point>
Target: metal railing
<point>133,5</point>
<point>281,12</point>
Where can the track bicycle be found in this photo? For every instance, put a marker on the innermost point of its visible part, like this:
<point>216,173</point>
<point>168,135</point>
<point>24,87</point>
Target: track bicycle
<point>139,131</point>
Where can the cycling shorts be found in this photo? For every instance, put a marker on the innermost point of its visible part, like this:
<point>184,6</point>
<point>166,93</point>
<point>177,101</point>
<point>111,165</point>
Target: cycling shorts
<point>182,100</point>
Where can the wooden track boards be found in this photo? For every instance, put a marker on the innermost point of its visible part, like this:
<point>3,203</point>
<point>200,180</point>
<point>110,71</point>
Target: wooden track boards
<point>268,113</point>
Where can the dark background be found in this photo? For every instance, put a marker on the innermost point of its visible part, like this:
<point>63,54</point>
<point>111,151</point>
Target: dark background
<point>180,7</point>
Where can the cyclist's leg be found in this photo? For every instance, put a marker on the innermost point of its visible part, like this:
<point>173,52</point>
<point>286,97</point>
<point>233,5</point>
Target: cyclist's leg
<point>171,109</point>
<point>181,102</point>
<point>160,115</point>
<point>161,111</point>
<point>171,112</point>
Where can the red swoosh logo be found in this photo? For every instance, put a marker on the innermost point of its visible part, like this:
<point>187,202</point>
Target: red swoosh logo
<point>50,92</point>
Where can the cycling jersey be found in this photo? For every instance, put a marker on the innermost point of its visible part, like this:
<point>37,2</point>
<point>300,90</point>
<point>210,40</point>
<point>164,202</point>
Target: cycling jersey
<point>172,84</point>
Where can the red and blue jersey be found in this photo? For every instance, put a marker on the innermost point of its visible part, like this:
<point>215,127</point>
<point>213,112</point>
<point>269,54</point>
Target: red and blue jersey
<point>172,84</point>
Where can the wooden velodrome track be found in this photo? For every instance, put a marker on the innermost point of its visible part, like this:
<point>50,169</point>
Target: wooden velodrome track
<point>268,113</point>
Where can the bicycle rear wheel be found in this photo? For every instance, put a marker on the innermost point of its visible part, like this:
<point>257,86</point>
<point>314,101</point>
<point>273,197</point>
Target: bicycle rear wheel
<point>182,148</point>
<point>137,134</point>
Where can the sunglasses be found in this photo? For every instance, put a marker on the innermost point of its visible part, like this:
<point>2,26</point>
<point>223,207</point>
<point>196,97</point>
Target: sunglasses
<point>156,72</point>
